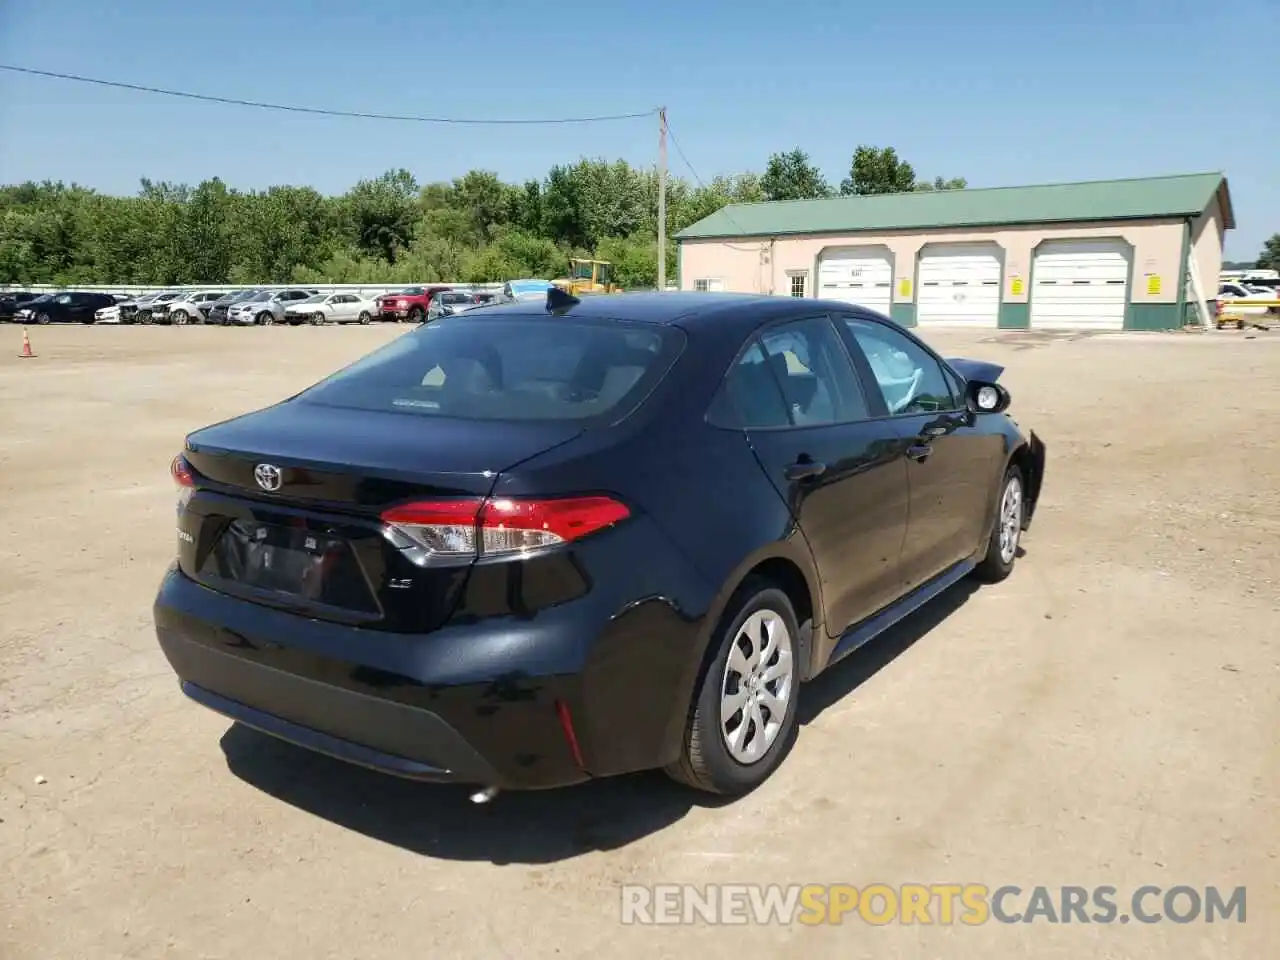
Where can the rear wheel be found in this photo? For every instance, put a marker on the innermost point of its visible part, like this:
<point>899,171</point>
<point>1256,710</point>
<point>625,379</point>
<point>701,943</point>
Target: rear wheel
<point>1002,547</point>
<point>743,719</point>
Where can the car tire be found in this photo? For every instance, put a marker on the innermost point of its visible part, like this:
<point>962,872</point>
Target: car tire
<point>179,318</point>
<point>144,318</point>
<point>364,317</point>
<point>708,762</point>
<point>266,318</point>
<point>1006,531</point>
<point>317,319</point>
<point>416,315</point>
<point>42,319</point>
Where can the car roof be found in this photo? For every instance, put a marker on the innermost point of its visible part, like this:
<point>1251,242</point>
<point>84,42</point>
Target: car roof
<point>727,311</point>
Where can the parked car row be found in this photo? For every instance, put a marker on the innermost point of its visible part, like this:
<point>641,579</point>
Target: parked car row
<point>257,306</point>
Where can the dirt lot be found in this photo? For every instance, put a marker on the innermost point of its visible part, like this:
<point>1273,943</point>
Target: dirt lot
<point>1109,715</point>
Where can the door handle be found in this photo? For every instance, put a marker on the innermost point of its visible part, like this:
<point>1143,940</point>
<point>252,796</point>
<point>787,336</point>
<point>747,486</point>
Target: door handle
<point>919,452</point>
<point>805,470</point>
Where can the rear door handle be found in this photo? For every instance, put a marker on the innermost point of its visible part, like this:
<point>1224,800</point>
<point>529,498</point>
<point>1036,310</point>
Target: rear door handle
<point>919,452</point>
<point>805,470</point>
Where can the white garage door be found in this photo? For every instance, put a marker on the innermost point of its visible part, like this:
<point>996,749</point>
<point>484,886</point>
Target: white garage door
<point>1080,284</point>
<point>860,275</point>
<point>959,284</point>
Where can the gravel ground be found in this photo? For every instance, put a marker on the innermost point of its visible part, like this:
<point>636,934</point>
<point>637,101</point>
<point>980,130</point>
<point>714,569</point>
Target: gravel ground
<point>1108,715</point>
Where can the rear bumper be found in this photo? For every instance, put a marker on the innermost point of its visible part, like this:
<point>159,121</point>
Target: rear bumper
<point>383,701</point>
<point>475,703</point>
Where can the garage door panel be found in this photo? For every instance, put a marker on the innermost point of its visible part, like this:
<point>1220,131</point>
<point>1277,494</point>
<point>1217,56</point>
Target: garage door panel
<point>1080,284</point>
<point>861,276</point>
<point>959,284</point>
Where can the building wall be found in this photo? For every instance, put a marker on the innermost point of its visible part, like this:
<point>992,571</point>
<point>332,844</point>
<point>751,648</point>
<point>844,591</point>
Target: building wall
<point>764,265</point>
<point>1206,247</point>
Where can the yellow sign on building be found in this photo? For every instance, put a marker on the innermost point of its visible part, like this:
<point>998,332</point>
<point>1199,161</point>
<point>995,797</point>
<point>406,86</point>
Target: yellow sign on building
<point>1015,286</point>
<point>1153,284</point>
<point>904,288</point>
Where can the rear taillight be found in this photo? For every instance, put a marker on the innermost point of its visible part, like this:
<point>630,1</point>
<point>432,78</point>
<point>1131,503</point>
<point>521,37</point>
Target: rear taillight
<point>180,470</point>
<point>449,531</point>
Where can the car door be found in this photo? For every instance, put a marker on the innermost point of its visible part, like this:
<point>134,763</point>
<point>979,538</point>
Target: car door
<point>841,471</point>
<point>347,307</point>
<point>952,463</point>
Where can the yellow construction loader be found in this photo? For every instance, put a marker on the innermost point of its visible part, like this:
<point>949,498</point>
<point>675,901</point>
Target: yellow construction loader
<point>588,276</point>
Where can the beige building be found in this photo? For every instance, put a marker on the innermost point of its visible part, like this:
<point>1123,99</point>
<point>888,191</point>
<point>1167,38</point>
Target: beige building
<point>1110,254</point>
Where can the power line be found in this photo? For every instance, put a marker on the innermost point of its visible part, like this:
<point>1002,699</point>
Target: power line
<point>291,108</point>
<point>675,142</point>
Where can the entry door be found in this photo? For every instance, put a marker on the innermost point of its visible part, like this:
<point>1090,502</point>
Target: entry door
<point>951,462</point>
<point>840,471</point>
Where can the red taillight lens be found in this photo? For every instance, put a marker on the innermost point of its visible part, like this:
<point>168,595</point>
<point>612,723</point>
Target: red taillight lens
<point>452,530</point>
<point>180,470</point>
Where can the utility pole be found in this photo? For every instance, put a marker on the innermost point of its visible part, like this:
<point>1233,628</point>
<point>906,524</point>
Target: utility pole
<point>662,199</point>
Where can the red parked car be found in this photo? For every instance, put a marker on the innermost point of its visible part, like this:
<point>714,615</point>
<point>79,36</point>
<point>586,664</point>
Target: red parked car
<point>410,304</point>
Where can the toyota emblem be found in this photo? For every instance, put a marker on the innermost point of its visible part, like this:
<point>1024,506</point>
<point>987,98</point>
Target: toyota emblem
<point>268,476</point>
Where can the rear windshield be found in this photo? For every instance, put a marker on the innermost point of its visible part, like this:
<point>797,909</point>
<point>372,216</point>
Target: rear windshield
<point>527,369</point>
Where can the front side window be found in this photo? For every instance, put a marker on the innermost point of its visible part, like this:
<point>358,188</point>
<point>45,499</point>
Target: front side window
<point>909,377</point>
<point>813,370</point>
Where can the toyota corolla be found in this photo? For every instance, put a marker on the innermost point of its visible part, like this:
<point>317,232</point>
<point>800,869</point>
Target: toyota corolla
<point>547,542</point>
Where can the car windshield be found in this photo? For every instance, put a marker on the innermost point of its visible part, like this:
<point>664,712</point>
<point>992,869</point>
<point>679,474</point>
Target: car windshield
<point>259,297</point>
<point>455,298</point>
<point>409,292</point>
<point>524,369</point>
<point>315,298</point>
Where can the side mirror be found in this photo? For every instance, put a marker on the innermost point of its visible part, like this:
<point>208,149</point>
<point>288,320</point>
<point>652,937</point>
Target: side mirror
<point>984,397</point>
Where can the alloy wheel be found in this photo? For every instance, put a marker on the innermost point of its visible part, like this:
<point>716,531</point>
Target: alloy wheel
<point>1010,519</point>
<point>756,690</point>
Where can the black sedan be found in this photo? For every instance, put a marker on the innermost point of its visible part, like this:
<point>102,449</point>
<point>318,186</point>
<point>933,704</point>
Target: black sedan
<point>542,543</point>
<point>70,306</point>
<point>12,300</point>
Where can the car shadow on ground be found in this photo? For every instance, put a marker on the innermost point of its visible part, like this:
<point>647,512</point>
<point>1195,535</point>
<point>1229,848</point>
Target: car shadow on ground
<point>527,827</point>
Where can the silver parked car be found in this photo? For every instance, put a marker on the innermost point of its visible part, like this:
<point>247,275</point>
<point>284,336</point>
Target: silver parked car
<point>266,307</point>
<point>451,302</point>
<point>192,306</point>
<point>331,308</point>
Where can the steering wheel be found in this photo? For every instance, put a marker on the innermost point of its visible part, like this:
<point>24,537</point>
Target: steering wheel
<point>912,385</point>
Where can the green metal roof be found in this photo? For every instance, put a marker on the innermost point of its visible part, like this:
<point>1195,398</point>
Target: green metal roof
<point>1139,198</point>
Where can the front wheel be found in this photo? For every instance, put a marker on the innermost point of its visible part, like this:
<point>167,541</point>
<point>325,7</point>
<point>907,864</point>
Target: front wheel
<point>266,318</point>
<point>743,720</point>
<point>42,319</point>
<point>317,319</point>
<point>416,315</point>
<point>1002,547</point>
<point>364,317</point>
<point>179,317</point>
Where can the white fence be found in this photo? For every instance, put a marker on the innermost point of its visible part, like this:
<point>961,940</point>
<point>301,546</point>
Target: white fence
<point>367,289</point>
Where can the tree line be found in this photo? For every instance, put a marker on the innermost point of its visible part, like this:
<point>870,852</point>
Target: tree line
<point>392,229</point>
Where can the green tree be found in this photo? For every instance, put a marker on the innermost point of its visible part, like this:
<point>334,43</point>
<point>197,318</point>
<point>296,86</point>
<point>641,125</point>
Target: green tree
<point>791,176</point>
<point>877,170</point>
<point>1269,258</point>
<point>939,184</point>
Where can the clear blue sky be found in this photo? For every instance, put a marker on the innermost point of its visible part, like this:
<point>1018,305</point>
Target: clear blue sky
<point>999,92</point>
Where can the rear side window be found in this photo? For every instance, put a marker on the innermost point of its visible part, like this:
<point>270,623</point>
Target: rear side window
<point>814,371</point>
<point>524,369</point>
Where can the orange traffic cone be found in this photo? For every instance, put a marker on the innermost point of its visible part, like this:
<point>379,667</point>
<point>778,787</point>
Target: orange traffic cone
<point>26,353</point>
